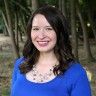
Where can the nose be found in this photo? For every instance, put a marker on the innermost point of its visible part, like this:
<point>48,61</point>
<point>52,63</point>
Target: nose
<point>41,34</point>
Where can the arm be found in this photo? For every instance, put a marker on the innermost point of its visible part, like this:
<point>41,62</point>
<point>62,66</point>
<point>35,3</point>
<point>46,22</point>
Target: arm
<point>81,86</point>
<point>14,74</point>
<point>15,71</point>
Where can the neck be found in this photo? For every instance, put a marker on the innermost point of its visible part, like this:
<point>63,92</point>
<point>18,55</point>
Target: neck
<point>47,58</point>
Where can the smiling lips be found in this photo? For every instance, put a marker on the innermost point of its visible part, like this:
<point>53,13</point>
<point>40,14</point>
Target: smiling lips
<point>43,43</point>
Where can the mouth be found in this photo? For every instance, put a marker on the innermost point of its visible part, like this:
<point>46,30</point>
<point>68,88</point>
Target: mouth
<point>43,43</point>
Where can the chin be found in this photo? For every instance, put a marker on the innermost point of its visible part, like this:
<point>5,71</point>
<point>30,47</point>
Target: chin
<point>45,50</point>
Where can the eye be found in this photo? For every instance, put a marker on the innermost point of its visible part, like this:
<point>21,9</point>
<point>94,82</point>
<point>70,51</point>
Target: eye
<point>35,29</point>
<point>49,29</point>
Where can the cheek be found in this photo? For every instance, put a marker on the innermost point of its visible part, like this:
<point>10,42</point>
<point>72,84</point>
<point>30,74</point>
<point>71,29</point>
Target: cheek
<point>33,36</point>
<point>54,37</point>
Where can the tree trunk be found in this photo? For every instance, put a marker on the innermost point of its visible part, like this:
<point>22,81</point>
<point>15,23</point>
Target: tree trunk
<point>10,29</point>
<point>16,31</point>
<point>0,87</point>
<point>34,5</point>
<point>85,36</point>
<point>64,7</point>
<point>23,24</point>
<point>5,32</point>
<point>60,4</point>
<point>73,29</point>
<point>20,36</point>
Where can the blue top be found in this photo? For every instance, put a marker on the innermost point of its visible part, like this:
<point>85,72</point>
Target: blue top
<point>73,82</point>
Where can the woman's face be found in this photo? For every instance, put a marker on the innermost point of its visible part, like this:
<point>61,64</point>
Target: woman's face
<point>42,34</point>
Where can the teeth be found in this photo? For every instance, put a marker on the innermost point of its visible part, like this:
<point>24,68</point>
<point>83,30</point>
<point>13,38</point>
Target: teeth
<point>43,42</point>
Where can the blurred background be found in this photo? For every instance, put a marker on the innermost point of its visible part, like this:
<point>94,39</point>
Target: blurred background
<point>14,15</point>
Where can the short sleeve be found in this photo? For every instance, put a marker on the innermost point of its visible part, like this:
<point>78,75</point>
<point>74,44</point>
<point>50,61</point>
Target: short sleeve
<point>81,86</point>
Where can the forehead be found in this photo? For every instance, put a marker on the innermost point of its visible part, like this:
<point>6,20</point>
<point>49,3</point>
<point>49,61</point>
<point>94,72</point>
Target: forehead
<point>39,20</point>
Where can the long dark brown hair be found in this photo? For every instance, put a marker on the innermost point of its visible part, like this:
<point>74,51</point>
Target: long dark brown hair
<point>62,49</point>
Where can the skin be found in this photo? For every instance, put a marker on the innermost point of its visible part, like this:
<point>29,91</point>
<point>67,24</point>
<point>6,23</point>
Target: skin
<point>43,36</point>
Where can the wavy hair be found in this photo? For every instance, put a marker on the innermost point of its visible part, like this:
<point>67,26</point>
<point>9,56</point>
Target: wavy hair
<point>62,49</point>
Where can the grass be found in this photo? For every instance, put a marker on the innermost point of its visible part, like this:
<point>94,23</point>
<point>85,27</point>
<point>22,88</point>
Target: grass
<point>6,92</point>
<point>6,65</point>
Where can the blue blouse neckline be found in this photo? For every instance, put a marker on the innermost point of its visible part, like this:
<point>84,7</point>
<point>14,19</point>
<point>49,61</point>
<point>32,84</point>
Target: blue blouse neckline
<point>37,83</point>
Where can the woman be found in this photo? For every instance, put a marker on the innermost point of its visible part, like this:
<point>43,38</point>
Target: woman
<point>48,67</point>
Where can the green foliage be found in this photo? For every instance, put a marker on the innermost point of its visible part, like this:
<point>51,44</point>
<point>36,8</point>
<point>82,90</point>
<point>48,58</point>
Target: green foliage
<point>1,23</point>
<point>1,4</point>
<point>20,5</point>
<point>92,4</point>
<point>5,92</point>
<point>81,1</point>
<point>51,2</point>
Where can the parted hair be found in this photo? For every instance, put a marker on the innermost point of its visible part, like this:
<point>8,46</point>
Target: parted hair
<point>62,49</point>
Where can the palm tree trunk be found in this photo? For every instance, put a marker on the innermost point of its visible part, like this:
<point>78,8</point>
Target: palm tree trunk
<point>16,31</point>
<point>60,4</point>
<point>34,5</point>
<point>85,35</point>
<point>73,29</point>
<point>10,29</point>
<point>0,86</point>
<point>64,7</point>
<point>5,32</point>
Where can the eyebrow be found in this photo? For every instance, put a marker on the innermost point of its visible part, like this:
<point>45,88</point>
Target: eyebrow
<point>38,26</point>
<point>34,26</point>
